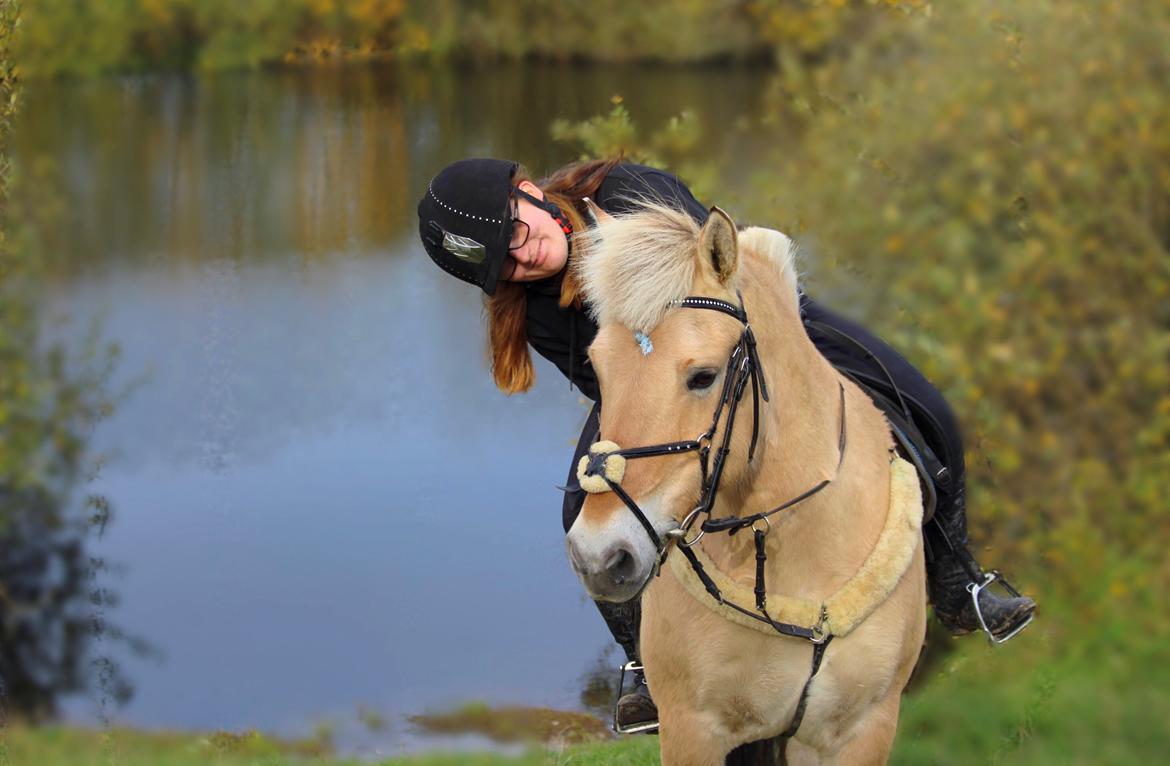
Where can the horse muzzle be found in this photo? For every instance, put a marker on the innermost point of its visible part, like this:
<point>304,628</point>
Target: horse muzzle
<point>614,572</point>
<point>609,551</point>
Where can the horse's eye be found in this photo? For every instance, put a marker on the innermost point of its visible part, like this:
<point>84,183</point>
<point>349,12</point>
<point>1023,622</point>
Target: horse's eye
<point>701,379</point>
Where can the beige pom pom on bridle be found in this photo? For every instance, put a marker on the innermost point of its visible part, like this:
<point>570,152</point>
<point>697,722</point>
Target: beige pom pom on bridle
<point>613,466</point>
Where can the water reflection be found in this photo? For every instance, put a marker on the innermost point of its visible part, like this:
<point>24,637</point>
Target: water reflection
<point>323,502</point>
<point>300,164</point>
<point>52,602</point>
<point>45,621</point>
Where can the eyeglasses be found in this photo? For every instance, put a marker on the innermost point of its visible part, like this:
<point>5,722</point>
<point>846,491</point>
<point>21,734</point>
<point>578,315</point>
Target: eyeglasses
<point>519,232</point>
<point>519,238</point>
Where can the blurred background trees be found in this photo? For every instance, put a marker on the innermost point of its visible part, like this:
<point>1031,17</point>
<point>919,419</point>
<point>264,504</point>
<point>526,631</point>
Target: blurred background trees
<point>78,37</point>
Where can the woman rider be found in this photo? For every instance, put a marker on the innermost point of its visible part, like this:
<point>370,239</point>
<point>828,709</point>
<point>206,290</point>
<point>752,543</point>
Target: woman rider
<point>486,222</point>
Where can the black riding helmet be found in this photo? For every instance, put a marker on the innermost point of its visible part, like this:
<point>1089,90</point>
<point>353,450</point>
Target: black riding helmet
<point>465,222</point>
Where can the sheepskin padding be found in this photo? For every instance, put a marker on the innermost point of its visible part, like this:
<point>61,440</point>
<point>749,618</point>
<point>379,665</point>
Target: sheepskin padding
<point>856,599</point>
<point>615,468</point>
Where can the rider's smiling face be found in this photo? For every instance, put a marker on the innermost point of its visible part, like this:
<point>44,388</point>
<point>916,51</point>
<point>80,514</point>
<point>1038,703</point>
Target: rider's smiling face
<point>544,251</point>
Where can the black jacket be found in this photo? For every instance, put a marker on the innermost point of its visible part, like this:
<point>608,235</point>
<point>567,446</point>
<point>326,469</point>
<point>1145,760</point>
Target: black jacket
<point>562,335</point>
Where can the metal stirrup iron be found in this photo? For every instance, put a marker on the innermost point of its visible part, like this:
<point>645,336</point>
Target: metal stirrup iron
<point>644,727</point>
<point>976,588</point>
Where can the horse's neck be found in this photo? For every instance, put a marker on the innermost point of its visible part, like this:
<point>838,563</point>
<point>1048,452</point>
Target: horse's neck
<point>818,543</point>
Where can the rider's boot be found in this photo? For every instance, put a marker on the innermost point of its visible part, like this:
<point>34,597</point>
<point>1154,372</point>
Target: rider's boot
<point>957,584</point>
<point>635,709</point>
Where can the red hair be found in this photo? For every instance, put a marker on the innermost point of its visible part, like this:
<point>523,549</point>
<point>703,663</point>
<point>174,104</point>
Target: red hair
<point>507,309</point>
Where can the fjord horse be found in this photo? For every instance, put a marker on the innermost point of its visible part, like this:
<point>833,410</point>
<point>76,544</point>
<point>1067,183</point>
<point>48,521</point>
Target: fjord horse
<point>826,539</point>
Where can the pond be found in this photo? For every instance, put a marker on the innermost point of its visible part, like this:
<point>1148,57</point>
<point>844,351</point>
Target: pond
<point>320,501</point>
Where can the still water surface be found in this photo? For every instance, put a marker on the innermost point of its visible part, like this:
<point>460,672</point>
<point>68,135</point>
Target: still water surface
<point>320,500</point>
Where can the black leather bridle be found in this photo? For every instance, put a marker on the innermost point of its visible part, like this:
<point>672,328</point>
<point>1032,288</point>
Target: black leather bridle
<point>743,366</point>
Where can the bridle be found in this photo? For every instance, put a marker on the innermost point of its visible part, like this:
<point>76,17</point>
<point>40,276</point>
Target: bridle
<point>743,366</point>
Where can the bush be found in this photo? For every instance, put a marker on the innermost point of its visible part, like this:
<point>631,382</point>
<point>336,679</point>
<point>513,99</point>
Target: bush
<point>998,174</point>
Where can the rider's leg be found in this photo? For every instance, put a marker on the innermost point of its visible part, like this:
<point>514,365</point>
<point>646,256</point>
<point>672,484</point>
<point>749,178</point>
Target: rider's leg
<point>623,620</point>
<point>951,569</point>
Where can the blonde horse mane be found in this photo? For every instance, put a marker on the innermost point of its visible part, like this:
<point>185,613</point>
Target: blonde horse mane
<point>635,264</point>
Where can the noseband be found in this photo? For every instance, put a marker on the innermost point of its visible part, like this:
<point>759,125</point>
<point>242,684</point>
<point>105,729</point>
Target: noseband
<point>743,366</point>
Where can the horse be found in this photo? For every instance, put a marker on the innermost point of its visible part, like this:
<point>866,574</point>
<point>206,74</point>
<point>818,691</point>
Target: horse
<point>780,564</point>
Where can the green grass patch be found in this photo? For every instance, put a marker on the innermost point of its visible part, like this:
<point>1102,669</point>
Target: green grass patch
<point>66,746</point>
<point>61,746</point>
<point>635,751</point>
<point>1062,693</point>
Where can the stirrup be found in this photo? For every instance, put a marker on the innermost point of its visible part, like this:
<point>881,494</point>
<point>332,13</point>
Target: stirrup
<point>976,588</point>
<point>637,728</point>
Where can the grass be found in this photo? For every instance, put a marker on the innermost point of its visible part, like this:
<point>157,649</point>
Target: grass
<point>636,751</point>
<point>1066,692</point>
<point>59,746</point>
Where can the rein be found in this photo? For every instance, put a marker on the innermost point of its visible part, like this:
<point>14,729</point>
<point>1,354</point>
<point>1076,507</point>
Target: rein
<point>743,366</point>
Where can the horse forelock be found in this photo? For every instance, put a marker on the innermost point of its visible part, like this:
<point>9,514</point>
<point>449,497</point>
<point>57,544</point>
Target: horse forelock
<point>636,264</point>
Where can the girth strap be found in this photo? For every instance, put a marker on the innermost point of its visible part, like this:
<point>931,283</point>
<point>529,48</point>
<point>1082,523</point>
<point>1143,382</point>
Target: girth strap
<point>802,704</point>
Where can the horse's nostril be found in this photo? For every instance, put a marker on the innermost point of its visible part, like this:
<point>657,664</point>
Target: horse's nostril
<point>620,566</point>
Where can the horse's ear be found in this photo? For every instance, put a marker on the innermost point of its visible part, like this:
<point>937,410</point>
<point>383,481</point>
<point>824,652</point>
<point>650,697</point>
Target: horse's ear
<point>594,214</point>
<point>718,245</point>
